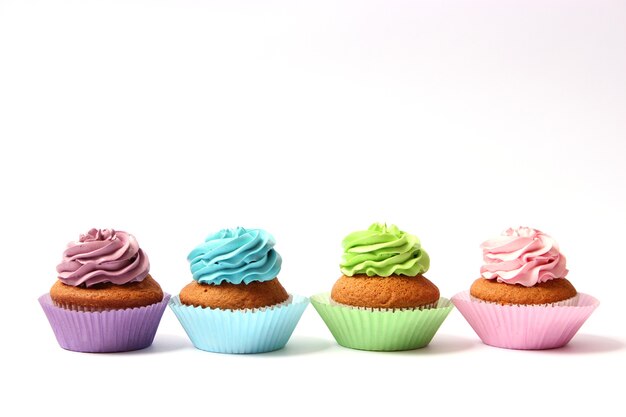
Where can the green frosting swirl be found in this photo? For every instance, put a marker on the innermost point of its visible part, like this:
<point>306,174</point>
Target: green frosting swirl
<point>382,251</point>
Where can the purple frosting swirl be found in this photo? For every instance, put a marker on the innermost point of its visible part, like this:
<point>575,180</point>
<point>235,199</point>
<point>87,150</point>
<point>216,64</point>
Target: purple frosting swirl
<point>103,255</point>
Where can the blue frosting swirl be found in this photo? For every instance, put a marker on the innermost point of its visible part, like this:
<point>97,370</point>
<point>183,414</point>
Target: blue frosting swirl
<point>235,256</point>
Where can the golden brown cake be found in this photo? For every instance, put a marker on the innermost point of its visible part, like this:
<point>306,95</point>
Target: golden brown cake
<point>547,292</point>
<point>234,296</point>
<point>107,296</point>
<point>394,291</point>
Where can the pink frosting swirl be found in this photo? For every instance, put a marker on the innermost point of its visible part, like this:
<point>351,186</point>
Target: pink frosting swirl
<point>522,256</point>
<point>103,255</point>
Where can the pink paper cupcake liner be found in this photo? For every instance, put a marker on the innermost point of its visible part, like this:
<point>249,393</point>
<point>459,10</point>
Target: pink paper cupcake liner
<point>104,331</point>
<point>525,327</point>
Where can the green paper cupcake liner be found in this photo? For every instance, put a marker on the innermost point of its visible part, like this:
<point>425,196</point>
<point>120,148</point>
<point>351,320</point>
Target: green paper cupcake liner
<point>381,330</point>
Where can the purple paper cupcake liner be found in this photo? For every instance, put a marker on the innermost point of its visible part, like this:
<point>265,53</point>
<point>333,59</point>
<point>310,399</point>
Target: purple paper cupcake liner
<point>104,331</point>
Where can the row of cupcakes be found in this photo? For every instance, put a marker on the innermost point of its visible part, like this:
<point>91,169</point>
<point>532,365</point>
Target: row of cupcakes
<point>105,299</point>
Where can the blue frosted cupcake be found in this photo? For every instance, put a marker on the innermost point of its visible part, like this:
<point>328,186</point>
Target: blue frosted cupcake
<point>235,303</point>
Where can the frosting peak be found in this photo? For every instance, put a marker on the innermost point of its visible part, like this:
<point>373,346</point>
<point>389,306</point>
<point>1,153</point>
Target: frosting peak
<point>382,251</point>
<point>523,256</point>
<point>103,255</point>
<point>235,256</point>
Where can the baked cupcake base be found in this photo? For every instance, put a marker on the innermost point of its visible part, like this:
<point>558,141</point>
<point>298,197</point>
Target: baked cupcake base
<point>227,296</point>
<point>240,331</point>
<point>550,292</point>
<point>568,302</point>
<point>119,330</point>
<point>381,329</point>
<point>527,327</point>
<point>394,291</point>
<point>107,296</point>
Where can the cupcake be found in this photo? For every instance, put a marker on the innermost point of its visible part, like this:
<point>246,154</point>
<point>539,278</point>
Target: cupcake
<point>522,299</point>
<point>104,299</point>
<point>383,301</point>
<point>235,303</point>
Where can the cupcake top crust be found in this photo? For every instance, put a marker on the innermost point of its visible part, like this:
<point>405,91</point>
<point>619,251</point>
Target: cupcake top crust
<point>383,251</point>
<point>522,256</point>
<point>103,256</point>
<point>235,256</point>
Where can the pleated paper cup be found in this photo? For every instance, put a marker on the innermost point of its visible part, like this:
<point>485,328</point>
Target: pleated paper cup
<point>568,302</point>
<point>119,330</point>
<point>528,327</point>
<point>381,329</point>
<point>240,331</point>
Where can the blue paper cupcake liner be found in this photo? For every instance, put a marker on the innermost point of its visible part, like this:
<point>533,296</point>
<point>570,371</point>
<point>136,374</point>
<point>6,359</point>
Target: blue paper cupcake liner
<point>240,331</point>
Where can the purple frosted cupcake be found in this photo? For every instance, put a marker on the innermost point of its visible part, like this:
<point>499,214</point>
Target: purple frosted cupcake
<point>104,299</point>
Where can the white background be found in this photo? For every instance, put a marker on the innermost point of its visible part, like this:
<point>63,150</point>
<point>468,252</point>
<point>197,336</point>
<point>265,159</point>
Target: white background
<point>172,119</point>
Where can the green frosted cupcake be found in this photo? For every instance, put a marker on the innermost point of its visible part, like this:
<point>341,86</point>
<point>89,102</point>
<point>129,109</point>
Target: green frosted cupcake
<point>383,301</point>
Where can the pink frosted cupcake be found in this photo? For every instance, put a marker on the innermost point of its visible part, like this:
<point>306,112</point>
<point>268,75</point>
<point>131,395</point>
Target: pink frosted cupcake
<point>104,299</point>
<point>523,300</point>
